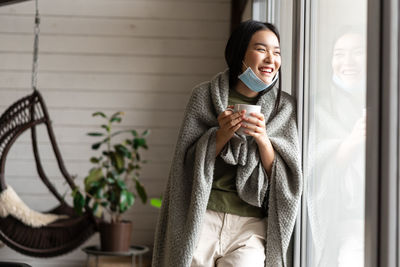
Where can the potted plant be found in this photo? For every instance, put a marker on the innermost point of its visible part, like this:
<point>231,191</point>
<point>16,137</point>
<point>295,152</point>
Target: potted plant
<point>112,184</point>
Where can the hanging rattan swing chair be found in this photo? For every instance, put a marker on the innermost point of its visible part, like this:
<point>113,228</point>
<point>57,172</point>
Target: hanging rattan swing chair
<point>59,230</point>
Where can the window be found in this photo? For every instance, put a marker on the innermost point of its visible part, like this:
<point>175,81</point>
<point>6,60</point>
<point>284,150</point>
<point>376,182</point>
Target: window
<point>350,211</point>
<point>335,166</point>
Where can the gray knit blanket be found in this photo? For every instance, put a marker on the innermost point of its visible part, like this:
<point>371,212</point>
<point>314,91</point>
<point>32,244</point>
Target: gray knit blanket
<point>191,175</point>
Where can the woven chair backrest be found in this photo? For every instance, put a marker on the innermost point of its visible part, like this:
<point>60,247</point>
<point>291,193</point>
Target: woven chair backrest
<point>24,114</point>
<point>19,117</point>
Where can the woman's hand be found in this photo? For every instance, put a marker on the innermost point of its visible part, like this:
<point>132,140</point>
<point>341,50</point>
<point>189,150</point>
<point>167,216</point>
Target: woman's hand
<point>359,132</point>
<point>353,142</point>
<point>229,122</point>
<point>256,128</point>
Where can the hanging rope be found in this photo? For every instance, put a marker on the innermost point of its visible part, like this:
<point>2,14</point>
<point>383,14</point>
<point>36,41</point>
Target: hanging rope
<point>35,48</point>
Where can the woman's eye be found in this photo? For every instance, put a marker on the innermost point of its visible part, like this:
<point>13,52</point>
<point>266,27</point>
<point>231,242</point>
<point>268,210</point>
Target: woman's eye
<point>277,52</point>
<point>261,49</point>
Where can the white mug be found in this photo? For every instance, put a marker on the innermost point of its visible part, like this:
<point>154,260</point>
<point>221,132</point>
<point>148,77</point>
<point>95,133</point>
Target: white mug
<point>249,109</point>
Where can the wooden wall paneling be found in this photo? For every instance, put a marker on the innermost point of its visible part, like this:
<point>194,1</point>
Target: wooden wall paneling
<point>99,26</point>
<point>178,10</point>
<point>13,81</point>
<point>114,46</point>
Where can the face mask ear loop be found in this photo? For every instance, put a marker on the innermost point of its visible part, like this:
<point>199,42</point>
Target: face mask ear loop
<point>244,64</point>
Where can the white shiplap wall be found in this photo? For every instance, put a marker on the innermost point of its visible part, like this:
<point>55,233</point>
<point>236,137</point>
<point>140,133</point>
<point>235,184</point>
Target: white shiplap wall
<point>142,57</point>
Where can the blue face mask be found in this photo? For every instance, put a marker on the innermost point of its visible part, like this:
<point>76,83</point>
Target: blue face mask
<point>250,79</point>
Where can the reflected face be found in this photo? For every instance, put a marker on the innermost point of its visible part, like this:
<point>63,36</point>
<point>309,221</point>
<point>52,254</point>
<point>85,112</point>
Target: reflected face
<point>348,61</point>
<point>263,55</point>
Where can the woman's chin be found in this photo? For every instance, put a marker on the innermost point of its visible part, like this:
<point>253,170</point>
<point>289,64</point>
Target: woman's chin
<point>267,81</point>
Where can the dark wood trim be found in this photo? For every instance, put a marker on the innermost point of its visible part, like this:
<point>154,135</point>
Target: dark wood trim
<point>237,9</point>
<point>10,2</point>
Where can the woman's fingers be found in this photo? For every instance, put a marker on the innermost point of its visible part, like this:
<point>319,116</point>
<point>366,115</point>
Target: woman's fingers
<point>259,120</point>
<point>228,113</point>
<point>234,121</point>
<point>252,128</point>
<point>259,116</point>
<point>230,119</point>
<point>236,127</point>
<point>225,114</point>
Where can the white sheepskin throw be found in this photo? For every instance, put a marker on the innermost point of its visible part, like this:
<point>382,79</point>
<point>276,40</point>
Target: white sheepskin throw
<point>11,204</point>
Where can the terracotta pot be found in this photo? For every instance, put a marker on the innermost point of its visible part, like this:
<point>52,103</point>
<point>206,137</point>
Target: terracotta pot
<point>115,236</point>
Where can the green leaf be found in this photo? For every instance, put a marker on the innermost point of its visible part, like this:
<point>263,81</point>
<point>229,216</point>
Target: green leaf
<point>95,134</point>
<point>138,142</point>
<point>112,199</point>
<point>94,160</point>
<point>121,149</point>
<point>114,174</point>
<point>115,119</point>
<point>131,199</point>
<point>134,133</point>
<point>96,146</point>
<point>110,180</point>
<point>106,127</point>
<point>125,200</point>
<point>99,211</point>
<point>156,202</point>
<point>99,113</point>
<point>79,201</point>
<point>146,133</point>
<point>118,161</point>
<point>99,190</point>
<point>121,184</point>
<point>137,167</point>
<point>117,114</point>
<point>130,167</point>
<point>105,140</point>
<point>94,176</point>
<point>93,188</point>
<point>141,191</point>
<point>95,207</point>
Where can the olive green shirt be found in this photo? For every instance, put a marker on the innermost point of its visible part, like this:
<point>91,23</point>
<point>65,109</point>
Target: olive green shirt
<point>224,196</point>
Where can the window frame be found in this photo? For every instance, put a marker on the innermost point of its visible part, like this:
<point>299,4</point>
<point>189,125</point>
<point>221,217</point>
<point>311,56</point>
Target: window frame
<point>382,153</point>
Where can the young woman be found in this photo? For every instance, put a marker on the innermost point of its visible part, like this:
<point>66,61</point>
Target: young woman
<point>232,199</point>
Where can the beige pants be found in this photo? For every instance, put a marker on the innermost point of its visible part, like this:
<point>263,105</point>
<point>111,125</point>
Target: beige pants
<point>230,240</point>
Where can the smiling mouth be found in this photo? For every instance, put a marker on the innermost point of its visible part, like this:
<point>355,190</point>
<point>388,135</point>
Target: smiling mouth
<point>266,70</point>
<point>349,72</point>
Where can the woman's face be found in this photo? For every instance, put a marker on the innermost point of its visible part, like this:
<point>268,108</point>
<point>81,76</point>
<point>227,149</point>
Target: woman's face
<point>263,55</point>
<point>348,61</point>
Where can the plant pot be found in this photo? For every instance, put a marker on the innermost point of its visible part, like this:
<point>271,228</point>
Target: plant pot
<point>115,236</point>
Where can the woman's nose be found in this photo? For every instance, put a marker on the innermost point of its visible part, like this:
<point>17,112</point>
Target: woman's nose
<point>268,56</point>
<point>349,58</point>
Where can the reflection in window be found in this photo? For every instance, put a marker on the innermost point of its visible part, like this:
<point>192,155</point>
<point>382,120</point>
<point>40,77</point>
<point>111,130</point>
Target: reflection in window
<point>336,167</point>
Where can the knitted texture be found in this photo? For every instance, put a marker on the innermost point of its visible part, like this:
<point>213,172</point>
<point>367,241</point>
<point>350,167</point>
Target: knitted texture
<point>191,175</point>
